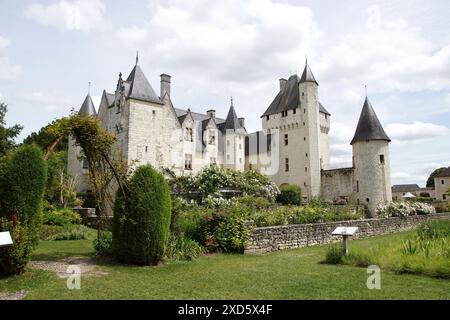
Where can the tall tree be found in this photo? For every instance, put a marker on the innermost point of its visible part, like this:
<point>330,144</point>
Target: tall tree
<point>44,138</point>
<point>7,134</point>
<point>430,181</point>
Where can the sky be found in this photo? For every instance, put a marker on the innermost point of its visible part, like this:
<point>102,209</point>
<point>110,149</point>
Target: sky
<point>400,50</point>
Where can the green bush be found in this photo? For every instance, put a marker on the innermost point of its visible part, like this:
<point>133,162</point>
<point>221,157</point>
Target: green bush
<point>88,199</point>
<point>61,217</point>
<point>49,232</point>
<point>72,232</point>
<point>190,220</point>
<point>290,194</point>
<point>64,232</point>
<point>334,255</point>
<point>424,199</point>
<point>22,186</point>
<point>443,207</point>
<point>142,218</point>
<point>182,248</point>
<point>254,202</point>
<point>103,245</point>
<point>308,214</point>
<point>231,232</point>
<point>13,259</point>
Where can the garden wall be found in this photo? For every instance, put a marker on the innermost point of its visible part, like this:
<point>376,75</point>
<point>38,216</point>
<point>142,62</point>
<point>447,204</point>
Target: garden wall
<point>266,239</point>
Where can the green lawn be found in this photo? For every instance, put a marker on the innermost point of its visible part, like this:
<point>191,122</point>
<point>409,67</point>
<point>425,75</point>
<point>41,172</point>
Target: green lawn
<point>289,274</point>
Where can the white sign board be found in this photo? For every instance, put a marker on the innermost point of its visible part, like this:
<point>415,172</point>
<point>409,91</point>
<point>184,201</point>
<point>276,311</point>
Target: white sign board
<point>344,231</point>
<point>5,239</point>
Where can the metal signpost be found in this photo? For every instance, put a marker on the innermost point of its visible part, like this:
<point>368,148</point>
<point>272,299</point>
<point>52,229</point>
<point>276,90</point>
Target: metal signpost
<point>5,239</point>
<point>345,232</point>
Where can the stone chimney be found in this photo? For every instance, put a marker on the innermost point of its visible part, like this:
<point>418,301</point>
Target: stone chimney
<point>211,113</point>
<point>165,85</point>
<point>242,122</point>
<point>282,83</point>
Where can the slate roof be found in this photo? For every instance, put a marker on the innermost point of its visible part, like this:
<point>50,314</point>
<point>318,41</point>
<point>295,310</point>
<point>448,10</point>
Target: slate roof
<point>110,97</point>
<point>445,173</point>
<point>307,75</point>
<point>140,88</point>
<point>232,121</point>
<point>181,113</point>
<point>369,127</point>
<point>405,187</point>
<point>289,98</point>
<point>87,108</point>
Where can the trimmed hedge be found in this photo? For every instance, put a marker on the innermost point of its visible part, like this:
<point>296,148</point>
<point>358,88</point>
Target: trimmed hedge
<point>290,194</point>
<point>22,185</point>
<point>142,218</point>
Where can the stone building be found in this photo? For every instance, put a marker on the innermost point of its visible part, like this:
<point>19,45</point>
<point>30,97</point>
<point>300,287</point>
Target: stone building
<point>399,190</point>
<point>442,185</point>
<point>292,148</point>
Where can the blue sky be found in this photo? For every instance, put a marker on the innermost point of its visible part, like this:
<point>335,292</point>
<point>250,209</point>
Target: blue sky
<point>50,50</point>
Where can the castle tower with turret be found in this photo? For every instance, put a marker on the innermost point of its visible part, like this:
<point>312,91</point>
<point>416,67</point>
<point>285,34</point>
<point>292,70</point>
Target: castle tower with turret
<point>371,161</point>
<point>298,125</point>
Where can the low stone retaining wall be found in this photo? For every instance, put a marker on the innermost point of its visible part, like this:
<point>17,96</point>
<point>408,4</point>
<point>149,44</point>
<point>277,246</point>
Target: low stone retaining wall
<point>266,239</point>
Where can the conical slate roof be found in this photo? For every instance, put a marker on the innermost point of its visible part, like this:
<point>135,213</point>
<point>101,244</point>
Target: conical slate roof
<point>87,108</point>
<point>232,121</point>
<point>369,127</point>
<point>307,75</point>
<point>140,88</point>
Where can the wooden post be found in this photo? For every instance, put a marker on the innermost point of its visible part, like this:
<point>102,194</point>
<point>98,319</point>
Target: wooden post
<point>345,243</point>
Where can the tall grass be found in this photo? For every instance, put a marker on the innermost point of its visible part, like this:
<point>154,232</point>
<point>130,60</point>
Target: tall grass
<point>427,252</point>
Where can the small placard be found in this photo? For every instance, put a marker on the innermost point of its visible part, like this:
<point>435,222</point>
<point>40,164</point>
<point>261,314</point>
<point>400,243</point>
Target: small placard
<point>344,231</point>
<point>5,239</point>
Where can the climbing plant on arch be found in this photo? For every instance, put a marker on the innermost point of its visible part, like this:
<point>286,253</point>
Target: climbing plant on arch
<point>107,169</point>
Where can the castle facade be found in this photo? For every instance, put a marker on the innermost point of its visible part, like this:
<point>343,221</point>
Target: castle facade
<point>291,148</point>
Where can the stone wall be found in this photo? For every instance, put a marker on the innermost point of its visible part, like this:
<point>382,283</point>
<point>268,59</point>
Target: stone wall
<point>337,183</point>
<point>268,239</point>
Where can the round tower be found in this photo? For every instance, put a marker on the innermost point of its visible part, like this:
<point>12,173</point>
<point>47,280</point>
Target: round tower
<point>371,161</point>
<point>76,165</point>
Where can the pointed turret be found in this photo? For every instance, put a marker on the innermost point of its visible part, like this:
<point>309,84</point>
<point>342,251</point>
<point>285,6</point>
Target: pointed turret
<point>369,127</point>
<point>87,108</point>
<point>140,88</point>
<point>307,75</point>
<point>232,121</point>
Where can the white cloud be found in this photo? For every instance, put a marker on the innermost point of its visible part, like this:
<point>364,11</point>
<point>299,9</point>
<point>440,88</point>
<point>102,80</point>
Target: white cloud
<point>80,15</point>
<point>48,102</point>
<point>228,41</point>
<point>407,177</point>
<point>415,131</point>
<point>8,70</point>
<point>388,55</point>
<point>3,42</point>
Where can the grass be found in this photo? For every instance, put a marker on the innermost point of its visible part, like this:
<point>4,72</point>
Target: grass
<point>425,252</point>
<point>289,274</point>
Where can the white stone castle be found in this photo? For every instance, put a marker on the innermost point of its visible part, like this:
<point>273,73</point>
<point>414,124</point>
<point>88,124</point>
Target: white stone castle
<point>292,148</point>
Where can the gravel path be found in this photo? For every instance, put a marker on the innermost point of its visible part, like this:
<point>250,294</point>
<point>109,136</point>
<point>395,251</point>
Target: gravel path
<point>86,266</point>
<point>13,296</point>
